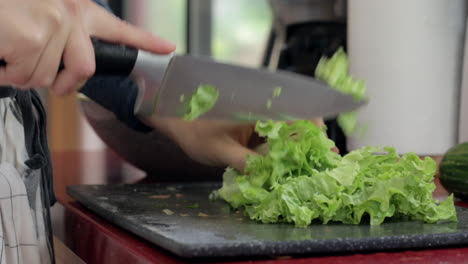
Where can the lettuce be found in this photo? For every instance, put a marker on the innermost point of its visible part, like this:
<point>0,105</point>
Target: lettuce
<point>202,101</point>
<point>300,180</point>
<point>335,72</point>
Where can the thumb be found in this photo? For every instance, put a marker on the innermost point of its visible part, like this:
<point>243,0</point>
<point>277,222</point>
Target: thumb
<point>106,26</point>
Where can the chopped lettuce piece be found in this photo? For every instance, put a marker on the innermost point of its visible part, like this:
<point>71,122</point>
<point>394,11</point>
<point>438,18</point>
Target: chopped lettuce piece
<point>348,122</point>
<point>277,91</point>
<point>202,101</point>
<point>299,179</point>
<point>269,103</point>
<point>335,72</point>
<point>168,212</point>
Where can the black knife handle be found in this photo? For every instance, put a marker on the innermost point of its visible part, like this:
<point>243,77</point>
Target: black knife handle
<point>118,95</point>
<point>111,59</point>
<point>114,59</point>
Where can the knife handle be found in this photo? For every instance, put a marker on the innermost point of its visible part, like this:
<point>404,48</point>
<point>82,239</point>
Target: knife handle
<point>114,59</point>
<point>111,59</point>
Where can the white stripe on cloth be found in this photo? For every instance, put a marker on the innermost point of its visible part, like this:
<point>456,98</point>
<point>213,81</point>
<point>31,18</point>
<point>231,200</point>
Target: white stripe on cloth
<point>22,233</point>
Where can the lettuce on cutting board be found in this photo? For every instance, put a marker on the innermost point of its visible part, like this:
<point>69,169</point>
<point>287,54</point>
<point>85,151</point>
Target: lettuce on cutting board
<point>300,180</point>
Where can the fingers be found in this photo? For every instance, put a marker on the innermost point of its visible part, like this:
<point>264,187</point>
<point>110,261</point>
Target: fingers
<point>21,64</point>
<point>319,122</point>
<point>46,70</point>
<point>234,155</point>
<point>30,32</point>
<point>37,36</point>
<point>106,26</point>
<point>79,62</point>
<point>210,143</point>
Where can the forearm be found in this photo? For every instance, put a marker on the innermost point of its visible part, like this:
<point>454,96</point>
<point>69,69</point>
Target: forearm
<point>153,152</point>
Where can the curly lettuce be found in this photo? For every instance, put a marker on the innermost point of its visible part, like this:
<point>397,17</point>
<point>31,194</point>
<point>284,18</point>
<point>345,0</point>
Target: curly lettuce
<point>300,180</point>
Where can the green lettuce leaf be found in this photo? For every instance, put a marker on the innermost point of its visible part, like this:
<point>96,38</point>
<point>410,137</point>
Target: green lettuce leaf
<point>335,72</point>
<point>300,180</point>
<point>202,101</point>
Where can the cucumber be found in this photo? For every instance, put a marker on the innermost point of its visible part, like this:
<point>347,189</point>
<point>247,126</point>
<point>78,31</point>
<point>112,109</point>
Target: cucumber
<point>454,171</point>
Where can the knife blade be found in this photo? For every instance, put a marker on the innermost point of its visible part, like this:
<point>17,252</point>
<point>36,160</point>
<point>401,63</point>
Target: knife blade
<point>244,93</point>
<point>249,92</point>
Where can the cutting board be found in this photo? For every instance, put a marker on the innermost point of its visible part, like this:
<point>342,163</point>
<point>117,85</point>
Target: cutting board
<point>181,219</point>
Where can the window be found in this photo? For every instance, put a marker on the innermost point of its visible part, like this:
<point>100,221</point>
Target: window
<point>231,31</point>
<point>240,30</point>
<point>164,18</point>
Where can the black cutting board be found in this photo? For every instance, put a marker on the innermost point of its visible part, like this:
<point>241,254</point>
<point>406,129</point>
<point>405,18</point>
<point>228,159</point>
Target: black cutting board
<point>181,219</point>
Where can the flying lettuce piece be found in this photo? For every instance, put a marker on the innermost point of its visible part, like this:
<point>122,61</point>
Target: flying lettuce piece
<point>277,91</point>
<point>348,122</point>
<point>299,180</point>
<point>202,101</point>
<point>269,103</point>
<point>335,72</point>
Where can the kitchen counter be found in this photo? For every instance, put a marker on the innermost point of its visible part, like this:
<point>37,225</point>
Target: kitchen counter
<point>95,240</point>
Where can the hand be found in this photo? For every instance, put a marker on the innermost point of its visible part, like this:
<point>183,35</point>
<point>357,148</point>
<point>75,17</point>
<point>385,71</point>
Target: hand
<point>36,34</point>
<point>213,143</point>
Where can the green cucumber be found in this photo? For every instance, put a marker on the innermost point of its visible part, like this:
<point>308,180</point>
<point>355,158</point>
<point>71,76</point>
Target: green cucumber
<point>454,171</point>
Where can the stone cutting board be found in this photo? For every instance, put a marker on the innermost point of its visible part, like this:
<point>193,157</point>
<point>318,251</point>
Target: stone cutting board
<point>181,219</point>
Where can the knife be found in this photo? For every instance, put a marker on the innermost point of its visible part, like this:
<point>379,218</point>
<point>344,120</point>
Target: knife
<point>243,92</point>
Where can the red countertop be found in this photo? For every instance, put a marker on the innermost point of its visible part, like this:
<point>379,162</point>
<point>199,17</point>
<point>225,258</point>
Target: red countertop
<point>96,240</point>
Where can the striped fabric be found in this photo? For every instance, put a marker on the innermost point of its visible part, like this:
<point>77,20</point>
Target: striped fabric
<point>23,238</point>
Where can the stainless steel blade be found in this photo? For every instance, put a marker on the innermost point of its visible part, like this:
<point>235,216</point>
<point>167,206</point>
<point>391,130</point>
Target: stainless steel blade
<point>245,92</point>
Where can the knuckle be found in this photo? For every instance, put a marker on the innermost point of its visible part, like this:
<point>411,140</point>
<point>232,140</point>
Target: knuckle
<point>44,82</point>
<point>86,71</point>
<point>56,18</point>
<point>65,90</point>
<point>72,6</point>
<point>36,40</point>
<point>19,79</point>
<point>60,90</point>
